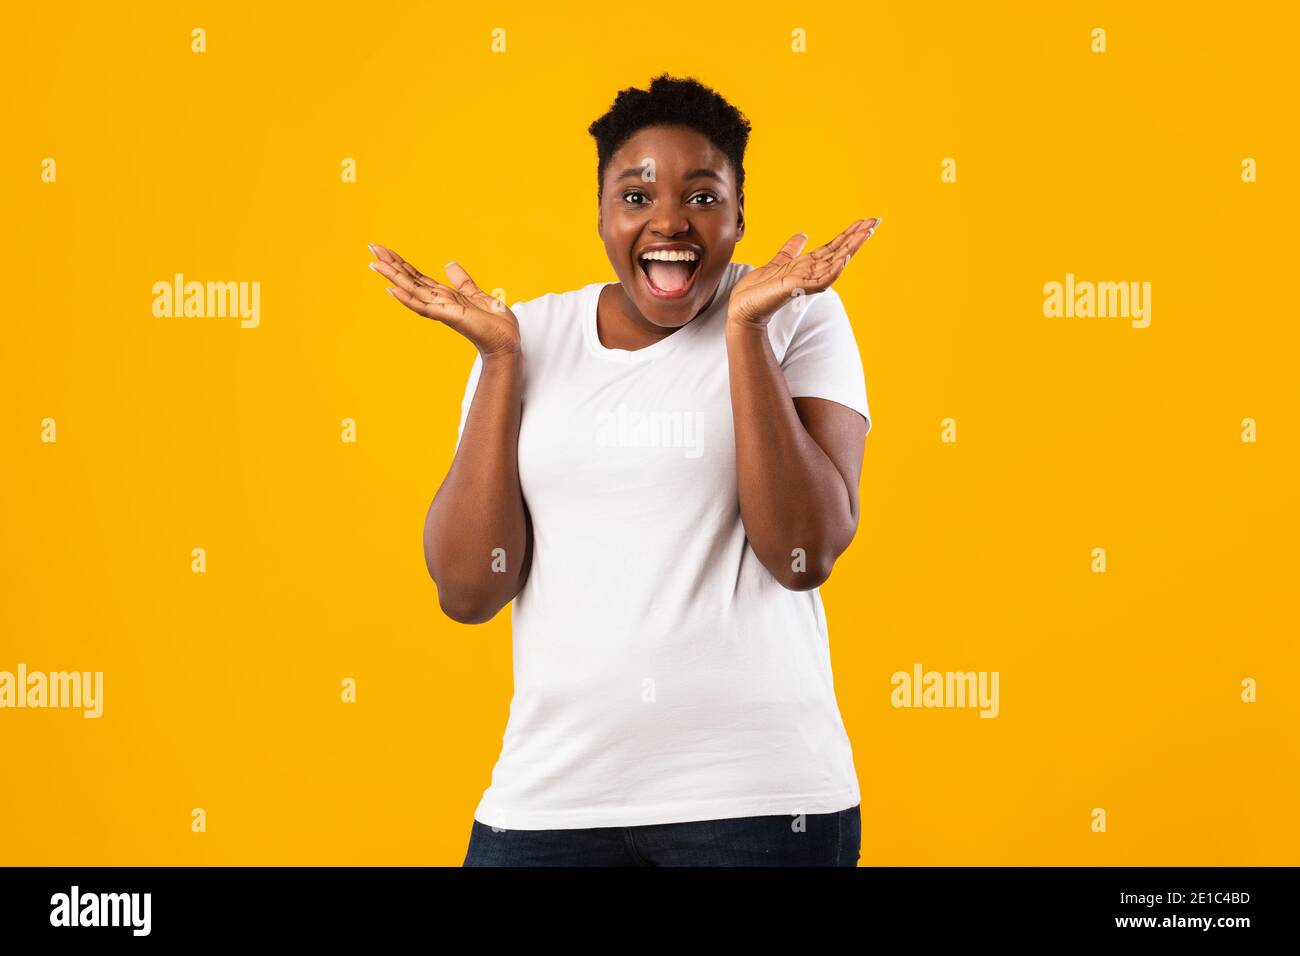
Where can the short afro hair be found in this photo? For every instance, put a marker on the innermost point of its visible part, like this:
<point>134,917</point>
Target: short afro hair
<point>676,101</point>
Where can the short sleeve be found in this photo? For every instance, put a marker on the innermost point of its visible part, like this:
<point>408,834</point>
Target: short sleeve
<point>822,359</point>
<point>470,387</point>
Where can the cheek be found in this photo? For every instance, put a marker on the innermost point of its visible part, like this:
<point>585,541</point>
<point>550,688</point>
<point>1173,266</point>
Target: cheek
<point>721,231</point>
<point>619,254</point>
<point>616,229</point>
<point>610,232</point>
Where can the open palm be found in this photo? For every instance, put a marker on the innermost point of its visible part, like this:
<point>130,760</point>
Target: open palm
<point>481,318</point>
<point>760,292</point>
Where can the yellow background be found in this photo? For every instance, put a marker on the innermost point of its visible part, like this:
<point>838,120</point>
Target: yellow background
<point>222,690</point>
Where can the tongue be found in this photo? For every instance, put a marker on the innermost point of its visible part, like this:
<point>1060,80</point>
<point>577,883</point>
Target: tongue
<point>668,276</point>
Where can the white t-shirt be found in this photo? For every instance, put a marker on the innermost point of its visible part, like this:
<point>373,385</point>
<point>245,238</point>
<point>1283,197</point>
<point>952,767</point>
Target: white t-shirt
<point>661,673</point>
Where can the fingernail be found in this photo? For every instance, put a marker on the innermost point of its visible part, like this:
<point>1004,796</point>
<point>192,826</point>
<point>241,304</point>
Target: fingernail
<point>847,257</point>
<point>374,265</point>
<point>391,291</point>
<point>371,247</point>
<point>449,264</point>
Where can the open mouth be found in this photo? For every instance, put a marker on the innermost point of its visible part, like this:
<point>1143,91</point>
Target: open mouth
<point>669,274</point>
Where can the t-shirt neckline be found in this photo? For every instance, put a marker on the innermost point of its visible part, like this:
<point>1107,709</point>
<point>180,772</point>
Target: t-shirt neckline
<point>655,349</point>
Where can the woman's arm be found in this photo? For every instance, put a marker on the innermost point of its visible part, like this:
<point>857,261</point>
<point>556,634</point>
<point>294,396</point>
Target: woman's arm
<point>477,534</point>
<point>477,537</point>
<point>798,461</point>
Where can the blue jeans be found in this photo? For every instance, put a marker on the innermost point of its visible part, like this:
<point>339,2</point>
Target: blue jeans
<point>824,839</point>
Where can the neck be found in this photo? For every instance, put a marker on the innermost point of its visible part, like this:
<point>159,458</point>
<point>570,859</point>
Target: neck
<point>622,326</point>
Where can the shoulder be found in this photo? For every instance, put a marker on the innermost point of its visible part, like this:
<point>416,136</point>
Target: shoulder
<point>808,315</point>
<point>553,303</point>
<point>549,320</point>
<point>553,314</point>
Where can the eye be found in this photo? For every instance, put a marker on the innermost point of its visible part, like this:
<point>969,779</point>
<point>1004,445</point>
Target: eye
<point>634,192</point>
<point>712,199</point>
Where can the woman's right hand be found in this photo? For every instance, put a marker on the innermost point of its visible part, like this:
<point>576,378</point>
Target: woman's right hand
<point>481,318</point>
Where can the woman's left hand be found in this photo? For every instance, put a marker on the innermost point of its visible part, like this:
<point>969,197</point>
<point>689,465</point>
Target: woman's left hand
<point>757,296</point>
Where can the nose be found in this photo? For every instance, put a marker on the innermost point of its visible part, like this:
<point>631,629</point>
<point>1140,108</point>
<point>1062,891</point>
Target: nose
<point>669,221</point>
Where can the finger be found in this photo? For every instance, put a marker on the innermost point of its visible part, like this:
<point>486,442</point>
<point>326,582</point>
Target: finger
<point>462,283</point>
<point>859,239</point>
<point>408,300</point>
<point>405,266</point>
<point>824,271</point>
<point>835,247</point>
<point>440,310</point>
<point>383,254</point>
<point>403,281</point>
<point>420,278</point>
<point>852,245</point>
<point>814,275</point>
<point>828,250</point>
<point>388,255</point>
<point>818,271</point>
<point>415,274</point>
<point>460,280</point>
<point>793,246</point>
<point>392,258</point>
<point>822,274</point>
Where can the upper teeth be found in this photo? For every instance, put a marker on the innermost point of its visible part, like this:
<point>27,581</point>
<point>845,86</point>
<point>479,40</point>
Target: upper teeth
<point>670,255</point>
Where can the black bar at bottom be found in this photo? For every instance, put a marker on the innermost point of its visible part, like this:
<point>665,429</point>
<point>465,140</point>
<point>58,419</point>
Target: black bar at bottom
<point>235,904</point>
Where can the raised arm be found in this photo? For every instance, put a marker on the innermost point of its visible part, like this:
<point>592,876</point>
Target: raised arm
<point>797,460</point>
<point>477,534</point>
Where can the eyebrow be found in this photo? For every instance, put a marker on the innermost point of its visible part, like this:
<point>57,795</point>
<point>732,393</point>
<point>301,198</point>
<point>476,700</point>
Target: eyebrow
<point>693,174</point>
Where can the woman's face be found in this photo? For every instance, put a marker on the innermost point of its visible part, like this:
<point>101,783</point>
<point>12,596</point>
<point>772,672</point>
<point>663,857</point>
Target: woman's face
<point>669,190</point>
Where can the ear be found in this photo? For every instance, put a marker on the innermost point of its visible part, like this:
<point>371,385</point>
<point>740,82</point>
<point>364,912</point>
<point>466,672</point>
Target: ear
<point>600,218</point>
<point>740,217</point>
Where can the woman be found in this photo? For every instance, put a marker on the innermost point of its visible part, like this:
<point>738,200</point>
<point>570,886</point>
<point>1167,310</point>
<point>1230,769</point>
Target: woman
<point>659,472</point>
